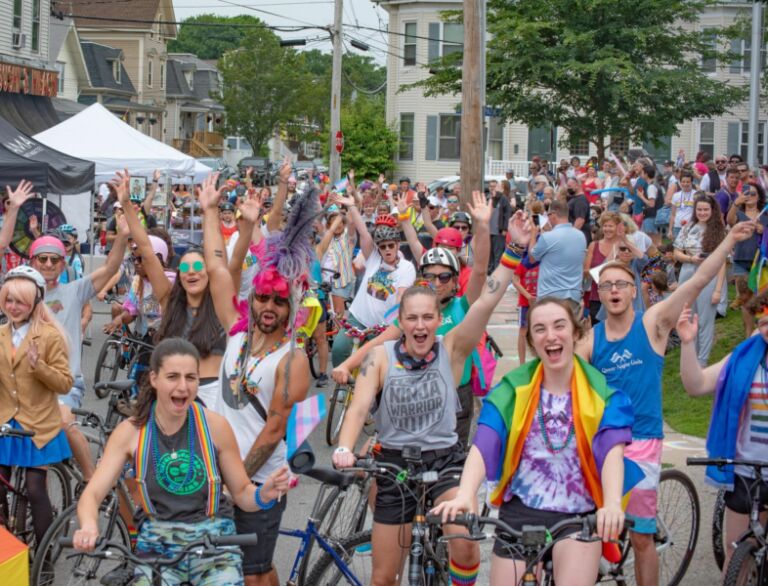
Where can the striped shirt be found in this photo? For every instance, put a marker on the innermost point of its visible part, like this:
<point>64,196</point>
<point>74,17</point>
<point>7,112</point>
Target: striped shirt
<point>752,443</point>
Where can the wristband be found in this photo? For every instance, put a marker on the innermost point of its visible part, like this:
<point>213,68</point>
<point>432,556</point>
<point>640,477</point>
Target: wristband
<point>405,217</point>
<point>511,258</point>
<point>261,504</point>
<point>341,450</point>
<point>155,181</point>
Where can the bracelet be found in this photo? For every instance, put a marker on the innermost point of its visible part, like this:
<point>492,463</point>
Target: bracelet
<point>341,450</point>
<point>155,181</point>
<point>261,504</point>
<point>405,217</point>
<point>511,258</point>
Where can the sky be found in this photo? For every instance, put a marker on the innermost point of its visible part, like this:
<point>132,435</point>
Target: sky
<point>301,12</point>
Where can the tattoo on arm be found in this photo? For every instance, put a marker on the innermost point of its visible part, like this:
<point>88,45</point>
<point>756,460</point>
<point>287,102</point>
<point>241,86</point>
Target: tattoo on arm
<point>218,253</point>
<point>273,413</point>
<point>492,284</point>
<point>367,363</point>
<point>257,457</point>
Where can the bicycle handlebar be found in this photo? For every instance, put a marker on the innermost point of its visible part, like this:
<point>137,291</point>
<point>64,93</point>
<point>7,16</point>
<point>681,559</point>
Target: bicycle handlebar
<point>719,462</point>
<point>8,431</point>
<point>587,523</point>
<point>427,476</point>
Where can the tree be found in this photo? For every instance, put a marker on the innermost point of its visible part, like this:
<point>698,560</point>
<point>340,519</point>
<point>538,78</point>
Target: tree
<point>211,42</point>
<point>600,68</point>
<point>262,86</point>
<point>369,143</point>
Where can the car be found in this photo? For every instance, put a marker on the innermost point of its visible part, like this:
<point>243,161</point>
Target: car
<point>261,169</point>
<point>302,169</point>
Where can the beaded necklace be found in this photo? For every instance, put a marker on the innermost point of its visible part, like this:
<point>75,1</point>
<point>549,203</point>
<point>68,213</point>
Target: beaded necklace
<point>551,448</point>
<point>173,486</point>
<point>241,360</point>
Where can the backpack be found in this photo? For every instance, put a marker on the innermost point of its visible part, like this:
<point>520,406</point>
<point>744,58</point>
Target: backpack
<point>484,359</point>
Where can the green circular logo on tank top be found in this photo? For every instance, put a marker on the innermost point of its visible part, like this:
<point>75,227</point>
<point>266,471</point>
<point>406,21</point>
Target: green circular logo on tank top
<point>175,470</point>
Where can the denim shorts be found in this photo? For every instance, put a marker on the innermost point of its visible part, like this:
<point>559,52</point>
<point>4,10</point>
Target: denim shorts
<point>344,292</point>
<point>74,398</point>
<point>649,226</point>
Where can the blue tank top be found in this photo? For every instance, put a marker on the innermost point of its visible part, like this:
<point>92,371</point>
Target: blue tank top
<point>632,365</point>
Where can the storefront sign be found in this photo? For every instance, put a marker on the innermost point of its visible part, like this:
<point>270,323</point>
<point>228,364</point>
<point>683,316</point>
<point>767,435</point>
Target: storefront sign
<point>18,79</point>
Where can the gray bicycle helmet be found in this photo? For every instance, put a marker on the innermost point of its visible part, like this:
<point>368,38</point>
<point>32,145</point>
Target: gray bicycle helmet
<point>27,272</point>
<point>442,257</point>
<point>384,234</point>
<point>460,217</point>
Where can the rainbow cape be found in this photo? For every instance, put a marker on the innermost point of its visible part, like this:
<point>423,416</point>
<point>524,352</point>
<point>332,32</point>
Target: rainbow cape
<point>603,417</point>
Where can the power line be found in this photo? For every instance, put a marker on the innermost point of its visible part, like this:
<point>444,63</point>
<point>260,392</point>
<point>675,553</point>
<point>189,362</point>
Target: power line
<point>399,34</point>
<point>375,48</point>
<point>266,12</point>
<point>284,28</point>
<point>306,2</point>
<point>352,84</point>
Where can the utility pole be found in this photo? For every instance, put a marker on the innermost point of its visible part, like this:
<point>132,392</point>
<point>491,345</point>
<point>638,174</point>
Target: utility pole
<point>334,168</point>
<point>754,83</point>
<point>471,169</point>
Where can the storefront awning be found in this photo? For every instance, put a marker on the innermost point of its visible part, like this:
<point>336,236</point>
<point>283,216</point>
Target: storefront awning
<point>29,114</point>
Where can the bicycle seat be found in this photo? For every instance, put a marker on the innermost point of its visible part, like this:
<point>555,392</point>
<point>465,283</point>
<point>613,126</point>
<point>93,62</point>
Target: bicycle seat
<point>115,385</point>
<point>330,476</point>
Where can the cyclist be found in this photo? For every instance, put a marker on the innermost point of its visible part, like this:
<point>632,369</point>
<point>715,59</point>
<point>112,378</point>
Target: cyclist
<point>413,382</point>
<point>552,435</point>
<point>72,246</point>
<point>33,370</point>
<point>181,453</point>
<point>737,429</point>
<point>338,258</point>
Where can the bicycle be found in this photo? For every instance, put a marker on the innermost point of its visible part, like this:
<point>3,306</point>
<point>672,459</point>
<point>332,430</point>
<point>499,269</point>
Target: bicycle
<point>331,329</point>
<point>119,406</point>
<point>18,519</point>
<point>748,564</point>
<point>342,393</point>
<point>120,352</point>
<point>428,555</point>
<point>208,547</point>
<point>677,530</point>
<point>533,543</point>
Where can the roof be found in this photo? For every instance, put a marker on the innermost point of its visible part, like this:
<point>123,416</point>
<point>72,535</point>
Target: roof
<point>98,59</point>
<point>175,82</point>
<point>57,36</point>
<point>125,10</point>
<point>206,83</point>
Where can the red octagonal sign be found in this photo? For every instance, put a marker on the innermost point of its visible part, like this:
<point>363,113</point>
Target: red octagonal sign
<point>339,141</point>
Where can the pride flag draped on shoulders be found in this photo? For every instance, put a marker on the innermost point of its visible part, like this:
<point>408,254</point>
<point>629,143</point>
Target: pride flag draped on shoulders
<point>602,416</point>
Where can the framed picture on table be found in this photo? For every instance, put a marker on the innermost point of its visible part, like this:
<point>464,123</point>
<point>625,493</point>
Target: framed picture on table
<point>138,187</point>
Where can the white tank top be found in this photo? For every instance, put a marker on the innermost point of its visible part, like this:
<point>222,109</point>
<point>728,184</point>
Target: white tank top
<point>232,403</point>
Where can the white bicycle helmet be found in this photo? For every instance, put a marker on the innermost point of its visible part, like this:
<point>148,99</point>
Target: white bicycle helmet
<point>442,257</point>
<point>27,272</point>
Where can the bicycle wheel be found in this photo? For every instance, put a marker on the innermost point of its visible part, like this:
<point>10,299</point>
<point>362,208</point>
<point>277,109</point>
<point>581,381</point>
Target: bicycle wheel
<point>743,569</point>
<point>341,516</point>
<point>59,481</point>
<point>336,410</point>
<point>310,347</point>
<point>52,565</point>
<point>355,552</point>
<point>718,539</point>
<point>107,364</point>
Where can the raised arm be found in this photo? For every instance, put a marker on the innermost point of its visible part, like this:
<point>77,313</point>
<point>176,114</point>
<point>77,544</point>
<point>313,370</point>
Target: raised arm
<point>696,380</point>
<point>481,244</point>
<point>101,276</point>
<point>275,219</point>
<point>325,241</point>
<point>366,242</point>
<point>224,291</point>
<point>250,212</point>
<point>404,217</point>
<point>147,203</point>
<point>344,370</point>
<point>16,198</point>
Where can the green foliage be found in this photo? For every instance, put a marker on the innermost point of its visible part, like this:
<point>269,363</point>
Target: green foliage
<point>369,143</point>
<point>262,86</point>
<point>211,42</point>
<point>599,68</point>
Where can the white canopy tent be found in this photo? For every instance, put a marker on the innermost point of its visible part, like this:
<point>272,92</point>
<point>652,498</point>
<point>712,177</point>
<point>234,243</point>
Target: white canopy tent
<point>97,135</point>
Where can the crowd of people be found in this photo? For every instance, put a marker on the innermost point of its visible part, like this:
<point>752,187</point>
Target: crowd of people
<point>578,428</point>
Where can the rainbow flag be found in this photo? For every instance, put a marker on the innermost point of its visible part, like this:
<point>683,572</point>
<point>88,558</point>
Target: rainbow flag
<point>303,419</point>
<point>14,560</point>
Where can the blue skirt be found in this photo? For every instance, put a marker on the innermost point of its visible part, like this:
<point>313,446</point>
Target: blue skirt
<point>22,451</point>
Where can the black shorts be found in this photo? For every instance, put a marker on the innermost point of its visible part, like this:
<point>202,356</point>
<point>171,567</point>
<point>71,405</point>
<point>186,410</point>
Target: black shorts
<point>257,559</point>
<point>515,514</point>
<point>738,499</point>
<point>394,504</point>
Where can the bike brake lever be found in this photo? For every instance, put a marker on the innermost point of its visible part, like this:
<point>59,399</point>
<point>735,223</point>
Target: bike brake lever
<point>475,537</point>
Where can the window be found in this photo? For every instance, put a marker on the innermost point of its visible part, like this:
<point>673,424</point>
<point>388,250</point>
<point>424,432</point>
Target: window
<point>453,38</point>
<point>60,68</point>
<point>149,73</point>
<point>35,25</point>
<point>709,62</point>
<point>579,147</point>
<point>16,16</point>
<point>232,143</point>
<point>742,50</point>
<point>406,137</point>
<point>162,76</point>
<point>707,137</point>
<point>495,138</point>
<point>449,139</point>
<point>619,145</point>
<point>409,46</point>
<point>744,146</point>
<point>117,71</point>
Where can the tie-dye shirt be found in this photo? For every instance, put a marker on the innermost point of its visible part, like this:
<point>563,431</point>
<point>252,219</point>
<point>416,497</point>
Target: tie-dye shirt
<point>547,481</point>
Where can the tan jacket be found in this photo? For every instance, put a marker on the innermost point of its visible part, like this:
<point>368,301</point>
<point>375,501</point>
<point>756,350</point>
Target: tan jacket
<point>29,395</point>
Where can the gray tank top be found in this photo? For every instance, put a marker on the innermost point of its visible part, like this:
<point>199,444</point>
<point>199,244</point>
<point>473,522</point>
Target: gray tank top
<point>418,407</point>
<point>188,504</point>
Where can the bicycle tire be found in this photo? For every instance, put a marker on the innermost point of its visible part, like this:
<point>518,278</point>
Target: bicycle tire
<point>743,568</point>
<point>310,347</point>
<point>107,364</point>
<point>336,411</point>
<point>355,552</point>
<point>718,538</point>
<point>341,515</point>
<point>51,567</point>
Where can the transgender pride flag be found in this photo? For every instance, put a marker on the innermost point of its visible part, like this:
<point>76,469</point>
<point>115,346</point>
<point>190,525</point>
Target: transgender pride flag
<point>341,185</point>
<point>303,419</point>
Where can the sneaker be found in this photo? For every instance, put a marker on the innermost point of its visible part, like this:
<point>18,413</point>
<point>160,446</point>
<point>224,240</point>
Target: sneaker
<point>322,381</point>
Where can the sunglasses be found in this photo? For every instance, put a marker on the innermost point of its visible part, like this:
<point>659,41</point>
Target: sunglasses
<point>453,201</point>
<point>608,285</point>
<point>387,246</point>
<point>276,299</point>
<point>45,259</point>
<point>623,249</point>
<point>442,277</point>
<point>462,227</point>
<point>196,266</point>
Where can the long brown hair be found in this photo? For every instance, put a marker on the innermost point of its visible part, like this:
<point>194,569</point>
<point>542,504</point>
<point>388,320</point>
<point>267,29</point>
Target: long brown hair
<point>714,230</point>
<point>148,394</point>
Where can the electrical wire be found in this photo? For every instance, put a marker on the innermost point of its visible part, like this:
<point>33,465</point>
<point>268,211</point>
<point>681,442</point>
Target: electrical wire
<point>399,34</point>
<point>352,84</point>
<point>266,12</point>
<point>374,47</point>
<point>283,28</point>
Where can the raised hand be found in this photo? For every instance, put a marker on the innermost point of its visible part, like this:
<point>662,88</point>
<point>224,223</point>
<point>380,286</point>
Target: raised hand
<point>207,194</point>
<point>33,223</point>
<point>348,201</point>
<point>249,172</point>
<point>401,202</point>
<point>121,184</point>
<point>121,223</point>
<point>250,208</point>
<point>285,170</point>
<point>687,325</point>
<point>23,191</point>
<point>156,175</point>
<point>520,228</point>
<point>742,231</point>
<point>351,175</point>
<point>480,209</point>
<point>382,179</point>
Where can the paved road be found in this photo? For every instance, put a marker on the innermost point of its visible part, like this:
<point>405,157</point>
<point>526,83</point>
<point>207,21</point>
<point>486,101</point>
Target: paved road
<point>703,571</point>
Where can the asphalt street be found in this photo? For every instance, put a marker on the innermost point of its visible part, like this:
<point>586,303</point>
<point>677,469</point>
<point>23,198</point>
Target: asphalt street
<point>702,572</point>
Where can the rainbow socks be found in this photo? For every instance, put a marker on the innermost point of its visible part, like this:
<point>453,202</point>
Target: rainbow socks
<point>462,575</point>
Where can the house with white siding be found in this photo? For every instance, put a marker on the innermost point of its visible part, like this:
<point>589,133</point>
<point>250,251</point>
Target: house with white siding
<point>430,127</point>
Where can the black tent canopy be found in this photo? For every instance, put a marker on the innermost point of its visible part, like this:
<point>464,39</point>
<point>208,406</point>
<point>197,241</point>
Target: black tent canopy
<point>63,174</point>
